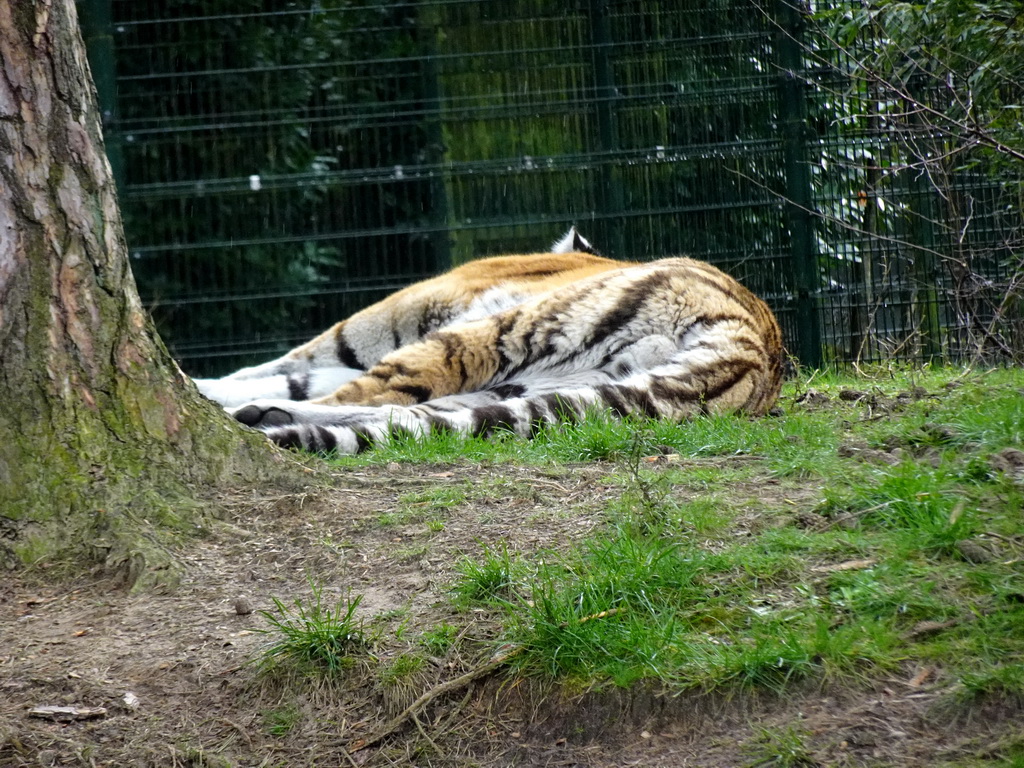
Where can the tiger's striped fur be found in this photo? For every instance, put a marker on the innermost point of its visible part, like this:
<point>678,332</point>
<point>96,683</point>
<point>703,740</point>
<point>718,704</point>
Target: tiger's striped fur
<point>514,342</point>
<point>351,347</point>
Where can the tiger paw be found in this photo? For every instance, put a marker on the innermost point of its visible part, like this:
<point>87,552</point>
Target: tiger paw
<point>263,416</point>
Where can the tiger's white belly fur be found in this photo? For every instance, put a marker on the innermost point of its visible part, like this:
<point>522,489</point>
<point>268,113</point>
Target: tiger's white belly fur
<point>323,375</point>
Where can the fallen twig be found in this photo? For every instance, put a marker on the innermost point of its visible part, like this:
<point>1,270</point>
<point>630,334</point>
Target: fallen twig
<point>67,713</point>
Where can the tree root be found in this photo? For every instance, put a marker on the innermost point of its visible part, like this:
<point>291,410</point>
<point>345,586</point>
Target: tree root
<point>439,690</point>
<point>503,655</point>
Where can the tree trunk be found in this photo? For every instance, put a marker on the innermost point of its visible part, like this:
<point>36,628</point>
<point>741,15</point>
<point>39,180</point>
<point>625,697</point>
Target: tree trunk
<point>100,432</point>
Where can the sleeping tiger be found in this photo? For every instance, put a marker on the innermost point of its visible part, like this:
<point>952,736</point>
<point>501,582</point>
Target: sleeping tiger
<point>516,342</point>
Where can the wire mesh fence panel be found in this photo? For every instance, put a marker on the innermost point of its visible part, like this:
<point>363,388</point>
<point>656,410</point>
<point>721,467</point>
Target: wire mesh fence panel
<point>260,143</point>
<point>283,164</point>
<point>919,219</point>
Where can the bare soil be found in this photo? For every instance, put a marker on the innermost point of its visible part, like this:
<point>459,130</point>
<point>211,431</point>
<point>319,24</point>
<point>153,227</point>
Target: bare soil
<point>167,679</point>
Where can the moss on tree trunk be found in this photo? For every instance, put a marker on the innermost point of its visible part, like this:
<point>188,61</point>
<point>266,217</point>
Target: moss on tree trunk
<point>102,437</point>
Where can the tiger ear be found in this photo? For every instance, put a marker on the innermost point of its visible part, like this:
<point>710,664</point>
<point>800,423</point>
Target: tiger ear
<point>573,242</point>
<point>580,243</point>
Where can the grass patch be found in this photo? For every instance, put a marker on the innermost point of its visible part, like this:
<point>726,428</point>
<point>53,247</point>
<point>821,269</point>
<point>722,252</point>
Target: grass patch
<point>279,722</point>
<point>924,508</point>
<point>438,640</point>
<point>313,636</point>
<point>637,607</point>
<point>436,497</point>
<point>865,527</point>
<point>1005,681</point>
<point>780,748</point>
<point>489,578</point>
<point>401,668</point>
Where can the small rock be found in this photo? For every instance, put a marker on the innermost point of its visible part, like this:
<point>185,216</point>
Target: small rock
<point>893,442</point>
<point>1010,461</point>
<point>853,395</point>
<point>860,450</point>
<point>242,606</point>
<point>940,433</point>
<point>810,520</point>
<point>880,457</point>
<point>973,552</point>
<point>927,628</point>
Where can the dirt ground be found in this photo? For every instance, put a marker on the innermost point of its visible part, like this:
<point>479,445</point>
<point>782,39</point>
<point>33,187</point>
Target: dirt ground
<point>165,679</point>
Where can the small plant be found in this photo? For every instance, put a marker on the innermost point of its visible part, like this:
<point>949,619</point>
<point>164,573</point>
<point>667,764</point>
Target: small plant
<point>889,591</point>
<point>402,628</point>
<point>439,639</point>
<point>279,722</point>
<point>314,635</point>
<point>608,611</point>
<point>491,578</point>
<point>401,668</point>
<point>780,748</point>
<point>560,630</point>
<point>429,504</point>
<point>770,656</point>
<point>645,503</point>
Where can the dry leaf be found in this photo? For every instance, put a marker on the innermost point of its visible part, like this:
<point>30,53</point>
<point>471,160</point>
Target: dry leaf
<point>849,565</point>
<point>920,677</point>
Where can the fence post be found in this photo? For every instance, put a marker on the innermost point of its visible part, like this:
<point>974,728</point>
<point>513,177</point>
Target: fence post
<point>798,203</point>
<point>611,240</point>
<point>96,21</point>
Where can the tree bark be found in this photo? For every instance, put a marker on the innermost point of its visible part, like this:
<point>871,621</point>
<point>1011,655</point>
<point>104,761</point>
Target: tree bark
<point>99,429</point>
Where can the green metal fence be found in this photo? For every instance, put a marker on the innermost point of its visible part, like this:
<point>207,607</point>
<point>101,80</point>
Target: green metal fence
<point>282,164</point>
